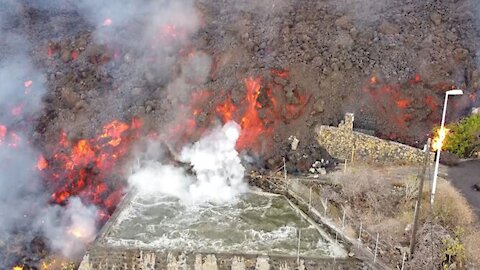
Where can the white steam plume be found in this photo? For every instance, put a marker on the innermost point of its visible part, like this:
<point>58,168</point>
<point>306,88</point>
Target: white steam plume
<point>219,174</point>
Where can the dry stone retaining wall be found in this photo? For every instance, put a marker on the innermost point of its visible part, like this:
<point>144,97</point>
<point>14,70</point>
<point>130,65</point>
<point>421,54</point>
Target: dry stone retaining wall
<point>344,143</point>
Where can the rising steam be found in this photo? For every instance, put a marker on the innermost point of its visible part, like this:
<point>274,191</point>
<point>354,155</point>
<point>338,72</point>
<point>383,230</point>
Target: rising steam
<point>218,175</point>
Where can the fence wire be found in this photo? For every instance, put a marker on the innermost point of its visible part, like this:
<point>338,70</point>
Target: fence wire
<point>338,218</point>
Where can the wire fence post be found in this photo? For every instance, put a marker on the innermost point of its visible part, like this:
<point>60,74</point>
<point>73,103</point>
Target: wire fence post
<point>285,169</point>
<point>403,260</point>
<point>416,215</point>
<point>326,206</point>
<point>310,200</point>
<point>376,249</point>
<point>343,219</point>
<point>360,234</point>
<point>298,246</point>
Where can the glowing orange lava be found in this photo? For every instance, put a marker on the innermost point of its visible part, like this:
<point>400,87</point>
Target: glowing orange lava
<point>259,113</point>
<point>113,132</point>
<point>3,133</point>
<point>403,103</point>
<point>85,168</point>
<point>42,163</point>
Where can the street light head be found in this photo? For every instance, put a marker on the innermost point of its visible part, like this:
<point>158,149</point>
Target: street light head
<point>456,92</point>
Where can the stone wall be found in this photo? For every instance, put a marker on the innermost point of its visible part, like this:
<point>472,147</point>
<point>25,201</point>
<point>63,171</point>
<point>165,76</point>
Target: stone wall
<point>103,258</point>
<point>344,143</point>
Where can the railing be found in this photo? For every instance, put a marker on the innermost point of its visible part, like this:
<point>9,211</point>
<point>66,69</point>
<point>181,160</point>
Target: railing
<point>335,217</point>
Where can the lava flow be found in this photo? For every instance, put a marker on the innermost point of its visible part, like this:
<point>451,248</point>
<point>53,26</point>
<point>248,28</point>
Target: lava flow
<point>258,119</point>
<point>86,168</point>
<point>394,103</point>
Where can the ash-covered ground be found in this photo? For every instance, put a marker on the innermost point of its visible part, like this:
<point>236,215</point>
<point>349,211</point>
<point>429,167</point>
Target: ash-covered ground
<point>278,68</point>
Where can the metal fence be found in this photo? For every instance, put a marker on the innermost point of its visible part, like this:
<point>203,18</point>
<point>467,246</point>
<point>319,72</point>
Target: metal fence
<point>336,218</point>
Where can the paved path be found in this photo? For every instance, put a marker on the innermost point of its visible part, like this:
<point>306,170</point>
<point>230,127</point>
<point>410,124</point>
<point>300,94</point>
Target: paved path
<point>463,177</point>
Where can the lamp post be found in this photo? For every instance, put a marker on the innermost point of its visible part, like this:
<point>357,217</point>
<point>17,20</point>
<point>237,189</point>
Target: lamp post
<point>456,92</point>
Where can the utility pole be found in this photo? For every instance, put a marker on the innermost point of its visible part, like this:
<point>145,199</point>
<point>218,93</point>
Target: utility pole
<point>419,196</point>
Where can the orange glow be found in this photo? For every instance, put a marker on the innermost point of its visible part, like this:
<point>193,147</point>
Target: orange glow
<point>27,84</point>
<point>416,79</point>
<point>280,73</point>
<point>251,124</point>
<point>3,133</point>
<point>262,108</point>
<point>42,163</point>
<point>403,103</point>
<point>114,131</point>
<point>82,154</point>
<point>107,22</point>
<point>440,136</point>
<point>82,168</point>
<point>77,233</point>
<point>226,110</point>
<point>373,80</point>
<point>17,268</point>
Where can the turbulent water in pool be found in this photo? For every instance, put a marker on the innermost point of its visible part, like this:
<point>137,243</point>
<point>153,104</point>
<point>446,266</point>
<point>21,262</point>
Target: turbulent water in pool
<point>255,224</point>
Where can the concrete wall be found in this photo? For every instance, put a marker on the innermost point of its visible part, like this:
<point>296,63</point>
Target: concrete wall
<point>102,258</point>
<point>343,142</point>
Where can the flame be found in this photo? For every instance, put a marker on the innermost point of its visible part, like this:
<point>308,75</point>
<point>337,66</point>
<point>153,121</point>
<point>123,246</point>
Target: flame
<point>373,80</point>
<point>77,233</point>
<point>258,114</point>
<point>17,268</point>
<point>114,131</point>
<point>82,168</point>
<point>251,124</point>
<point>226,110</point>
<point>440,136</point>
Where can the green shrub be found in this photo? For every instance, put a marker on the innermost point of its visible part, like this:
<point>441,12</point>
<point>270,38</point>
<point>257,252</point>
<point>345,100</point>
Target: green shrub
<point>463,138</point>
<point>454,250</point>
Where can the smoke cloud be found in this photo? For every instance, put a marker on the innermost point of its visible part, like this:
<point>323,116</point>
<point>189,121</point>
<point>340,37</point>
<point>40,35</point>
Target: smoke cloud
<point>217,173</point>
<point>24,201</point>
<point>69,228</point>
